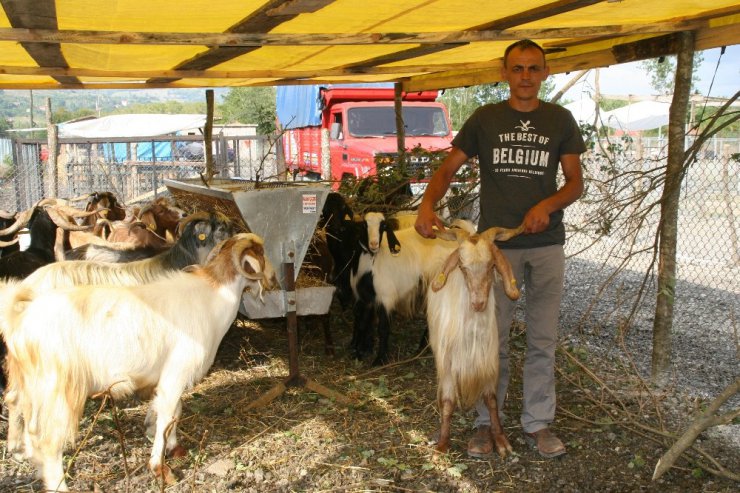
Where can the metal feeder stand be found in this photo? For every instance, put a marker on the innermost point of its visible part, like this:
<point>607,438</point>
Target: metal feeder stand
<point>285,215</point>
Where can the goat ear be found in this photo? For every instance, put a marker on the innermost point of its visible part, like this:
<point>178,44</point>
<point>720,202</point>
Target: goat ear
<point>393,244</point>
<point>451,263</point>
<point>392,223</point>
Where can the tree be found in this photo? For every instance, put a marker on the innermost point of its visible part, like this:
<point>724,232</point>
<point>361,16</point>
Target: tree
<point>662,72</point>
<point>462,101</point>
<point>251,105</point>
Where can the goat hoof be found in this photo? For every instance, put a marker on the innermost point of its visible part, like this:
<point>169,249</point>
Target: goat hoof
<point>164,471</point>
<point>380,361</point>
<point>177,452</point>
<point>439,456</point>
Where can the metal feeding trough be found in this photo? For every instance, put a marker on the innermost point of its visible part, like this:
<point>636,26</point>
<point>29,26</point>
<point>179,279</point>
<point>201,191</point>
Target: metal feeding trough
<point>285,215</point>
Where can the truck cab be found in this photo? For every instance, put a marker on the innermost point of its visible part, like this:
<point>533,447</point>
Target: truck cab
<point>339,131</point>
<point>361,131</point>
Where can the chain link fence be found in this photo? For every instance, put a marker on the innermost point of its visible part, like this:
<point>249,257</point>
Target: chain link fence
<point>133,169</point>
<point>616,221</point>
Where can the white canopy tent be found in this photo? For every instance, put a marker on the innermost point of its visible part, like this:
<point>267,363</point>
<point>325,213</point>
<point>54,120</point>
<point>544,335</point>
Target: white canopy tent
<point>133,125</point>
<point>583,110</point>
<point>644,115</point>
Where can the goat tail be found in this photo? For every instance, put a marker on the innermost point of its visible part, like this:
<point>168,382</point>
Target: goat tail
<point>15,298</point>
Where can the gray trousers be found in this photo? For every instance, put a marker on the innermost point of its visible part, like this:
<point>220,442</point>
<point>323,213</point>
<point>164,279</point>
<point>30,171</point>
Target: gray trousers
<point>540,271</point>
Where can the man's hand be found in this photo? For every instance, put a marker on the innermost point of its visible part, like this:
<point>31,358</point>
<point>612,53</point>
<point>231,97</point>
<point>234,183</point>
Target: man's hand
<point>426,221</point>
<point>537,219</point>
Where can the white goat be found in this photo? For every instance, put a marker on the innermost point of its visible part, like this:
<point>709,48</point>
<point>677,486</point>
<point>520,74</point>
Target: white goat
<point>461,314</point>
<point>65,345</point>
<point>397,276</point>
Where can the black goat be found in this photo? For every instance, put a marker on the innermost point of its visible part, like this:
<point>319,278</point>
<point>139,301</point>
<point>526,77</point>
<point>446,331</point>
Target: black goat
<point>353,244</point>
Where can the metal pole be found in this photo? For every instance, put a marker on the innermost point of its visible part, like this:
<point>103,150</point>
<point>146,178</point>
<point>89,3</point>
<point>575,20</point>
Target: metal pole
<point>294,378</point>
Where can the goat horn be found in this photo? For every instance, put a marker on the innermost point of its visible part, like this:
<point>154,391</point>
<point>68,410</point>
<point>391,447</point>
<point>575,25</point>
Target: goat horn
<point>82,197</point>
<point>452,234</point>
<point>51,201</point>
<point>4,244</point>
<point>244,241</point>
<point>21,221</point>
<point>501,234</point>
<point>62,222</point>
<point>6,215</point>
<point>73,211</point>
<point>187,219</point>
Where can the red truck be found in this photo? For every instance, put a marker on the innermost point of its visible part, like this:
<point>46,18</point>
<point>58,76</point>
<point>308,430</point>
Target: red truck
<point>358,126</point>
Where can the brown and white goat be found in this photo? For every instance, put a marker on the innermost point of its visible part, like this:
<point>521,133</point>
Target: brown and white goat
<point>162,216</point>
<point>68,344</point>
<point>461,314</point>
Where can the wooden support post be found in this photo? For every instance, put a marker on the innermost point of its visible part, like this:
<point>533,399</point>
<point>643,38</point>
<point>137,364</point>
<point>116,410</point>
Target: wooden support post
<point>294,379</point>
<point>400,130</point>
<point>208,139</point>
<point>52,139</point>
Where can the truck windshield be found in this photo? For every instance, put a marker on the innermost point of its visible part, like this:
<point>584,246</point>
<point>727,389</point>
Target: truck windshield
<point>381,120</point>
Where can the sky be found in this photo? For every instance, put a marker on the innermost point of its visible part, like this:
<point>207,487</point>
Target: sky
<point>629,78</point>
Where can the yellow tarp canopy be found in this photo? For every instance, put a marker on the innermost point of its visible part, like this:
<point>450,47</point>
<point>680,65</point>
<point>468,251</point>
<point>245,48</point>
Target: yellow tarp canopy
<point>424,44</point>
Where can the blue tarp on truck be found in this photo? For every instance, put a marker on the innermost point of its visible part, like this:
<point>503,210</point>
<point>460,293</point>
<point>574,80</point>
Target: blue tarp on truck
<point>300,106</point>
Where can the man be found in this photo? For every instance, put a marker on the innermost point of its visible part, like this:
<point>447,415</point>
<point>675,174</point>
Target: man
<point>519,144</point>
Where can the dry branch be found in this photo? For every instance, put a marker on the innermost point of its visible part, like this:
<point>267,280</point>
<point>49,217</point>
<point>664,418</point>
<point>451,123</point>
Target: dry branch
<point>706,420</point>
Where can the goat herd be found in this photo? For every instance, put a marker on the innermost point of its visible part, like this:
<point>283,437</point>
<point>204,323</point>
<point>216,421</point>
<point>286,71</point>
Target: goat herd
<point>121,300</point>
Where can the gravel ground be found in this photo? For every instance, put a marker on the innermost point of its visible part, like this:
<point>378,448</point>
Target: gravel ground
<point>706,325</point>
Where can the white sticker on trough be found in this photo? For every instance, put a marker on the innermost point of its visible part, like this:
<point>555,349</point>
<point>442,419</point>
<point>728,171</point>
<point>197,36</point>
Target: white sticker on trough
<point>309,203</point>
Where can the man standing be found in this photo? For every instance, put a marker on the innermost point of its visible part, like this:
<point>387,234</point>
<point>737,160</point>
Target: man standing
<point>519,144</point>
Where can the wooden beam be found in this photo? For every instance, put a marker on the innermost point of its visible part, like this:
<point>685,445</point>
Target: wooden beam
<point>231,40</point>
<point>405,70</point>
<point>259,21</point>
<point>537,13</point>
<point>647,48</point>
<point>39,14</point>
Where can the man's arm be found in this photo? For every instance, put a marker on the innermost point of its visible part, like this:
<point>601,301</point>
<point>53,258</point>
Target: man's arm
<point>538,217</point>
<point>436,189</point>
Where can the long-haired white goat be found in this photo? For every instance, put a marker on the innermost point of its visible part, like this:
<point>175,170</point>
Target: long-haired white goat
<point>461,314</point>
<point>200,233</point>
<point>389,280</point>
<point>65,345</point>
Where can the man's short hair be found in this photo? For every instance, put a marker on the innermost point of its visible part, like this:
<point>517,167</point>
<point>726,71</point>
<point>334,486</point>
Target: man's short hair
<point>523,44</point>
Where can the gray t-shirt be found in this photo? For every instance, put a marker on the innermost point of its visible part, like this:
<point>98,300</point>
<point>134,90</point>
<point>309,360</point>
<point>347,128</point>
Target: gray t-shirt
<point>519,155</point>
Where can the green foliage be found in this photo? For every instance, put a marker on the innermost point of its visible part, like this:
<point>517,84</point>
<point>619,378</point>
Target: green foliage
<point>251,105</point>
<point>392,463</point>
<point>389,190</point>
<point>637,462</point>
<point>456,470</point>
<point>164,107</point>
<point>662,72</point>
<point>4,126</point>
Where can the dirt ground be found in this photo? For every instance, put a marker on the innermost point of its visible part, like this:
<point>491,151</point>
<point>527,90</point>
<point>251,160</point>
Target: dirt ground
<point>303,441</point>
